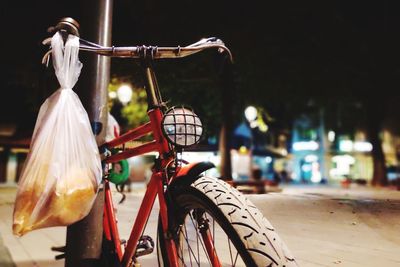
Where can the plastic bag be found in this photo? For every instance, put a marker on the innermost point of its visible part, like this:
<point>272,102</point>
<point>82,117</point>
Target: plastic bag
<point>62,172</point>
<point>113,128</point>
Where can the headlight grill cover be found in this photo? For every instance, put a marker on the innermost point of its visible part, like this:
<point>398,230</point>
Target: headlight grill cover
<point>182,127</point>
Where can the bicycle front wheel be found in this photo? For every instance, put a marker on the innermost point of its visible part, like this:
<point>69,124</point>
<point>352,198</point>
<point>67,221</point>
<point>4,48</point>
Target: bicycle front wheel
<point>215,225</point>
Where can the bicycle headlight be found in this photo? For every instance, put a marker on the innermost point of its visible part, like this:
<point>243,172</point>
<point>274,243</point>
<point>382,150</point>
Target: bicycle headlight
<point>182,127</point>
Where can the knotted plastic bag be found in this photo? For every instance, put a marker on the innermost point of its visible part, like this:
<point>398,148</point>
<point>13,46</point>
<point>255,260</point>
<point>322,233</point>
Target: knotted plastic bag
<point>62,172</point>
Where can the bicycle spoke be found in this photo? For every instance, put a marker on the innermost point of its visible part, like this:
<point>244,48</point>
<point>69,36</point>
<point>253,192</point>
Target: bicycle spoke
<point>189,247</point>
<point>197,243</point>
<point>181,256</point>
<point>198,247</point>
<point>180,253</point>
<point>230,249</point>
<point>237,254</point>
<point>190,256</point>
<point>213,235</point>
<point>198,236</point>
<point>193,250</point>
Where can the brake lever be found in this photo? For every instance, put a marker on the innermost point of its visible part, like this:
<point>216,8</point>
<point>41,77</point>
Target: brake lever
<point>89,44</point>
<point>204,41</point>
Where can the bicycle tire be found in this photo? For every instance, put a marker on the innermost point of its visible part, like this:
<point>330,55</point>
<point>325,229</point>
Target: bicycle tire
<point>249,231</point>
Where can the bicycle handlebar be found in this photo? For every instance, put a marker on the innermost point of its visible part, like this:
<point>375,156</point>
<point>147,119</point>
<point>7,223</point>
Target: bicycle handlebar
<point>156,52</point>
<point>153,52</point>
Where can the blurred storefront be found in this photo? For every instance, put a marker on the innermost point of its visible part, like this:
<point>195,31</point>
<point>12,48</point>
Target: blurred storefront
<point>258,149</point>
<point>308,150</point>
<point>14,148</point>
<point>319,155</point>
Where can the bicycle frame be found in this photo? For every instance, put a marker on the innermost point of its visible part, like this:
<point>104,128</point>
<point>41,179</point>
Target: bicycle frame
<point>158,180</point>
<point>156,185</point>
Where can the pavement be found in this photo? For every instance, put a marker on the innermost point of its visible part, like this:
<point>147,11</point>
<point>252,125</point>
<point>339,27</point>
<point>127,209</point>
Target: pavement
<point>323,226</point>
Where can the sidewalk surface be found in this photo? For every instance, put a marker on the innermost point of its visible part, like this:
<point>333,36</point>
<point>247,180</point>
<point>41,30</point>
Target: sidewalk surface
<point>323,226</point>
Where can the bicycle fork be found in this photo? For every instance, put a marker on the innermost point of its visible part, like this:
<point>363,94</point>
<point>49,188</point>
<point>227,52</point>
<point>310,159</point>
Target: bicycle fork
<point>128,256</point>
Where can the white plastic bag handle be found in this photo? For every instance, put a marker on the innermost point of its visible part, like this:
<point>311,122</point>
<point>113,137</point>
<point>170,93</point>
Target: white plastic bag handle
<point>65,60</point>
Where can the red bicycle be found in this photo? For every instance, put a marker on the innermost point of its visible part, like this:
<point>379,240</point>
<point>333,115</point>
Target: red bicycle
<point>202,220</point>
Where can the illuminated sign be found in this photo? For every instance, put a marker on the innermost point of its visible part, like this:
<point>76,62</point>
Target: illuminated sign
<point>307,145</point>
<point>359,146</point>
<point>363,146</point>
<point>346,145</point>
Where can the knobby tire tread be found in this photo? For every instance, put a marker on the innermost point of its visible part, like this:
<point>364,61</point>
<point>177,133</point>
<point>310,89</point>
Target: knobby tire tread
<point>257,236</point>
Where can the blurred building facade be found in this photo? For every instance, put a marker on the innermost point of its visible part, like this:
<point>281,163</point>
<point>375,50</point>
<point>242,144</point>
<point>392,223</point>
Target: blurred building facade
<point>14,147</point>
<point>322,155</point>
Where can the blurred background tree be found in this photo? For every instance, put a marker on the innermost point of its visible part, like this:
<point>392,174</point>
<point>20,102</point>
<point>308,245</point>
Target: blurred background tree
<point>131,111</point>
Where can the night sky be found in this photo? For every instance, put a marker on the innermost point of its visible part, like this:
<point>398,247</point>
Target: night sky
<point>282,49</point>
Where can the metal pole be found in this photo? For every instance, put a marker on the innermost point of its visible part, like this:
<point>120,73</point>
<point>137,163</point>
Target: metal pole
<point>84,238</point>
<point>227,89</point>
